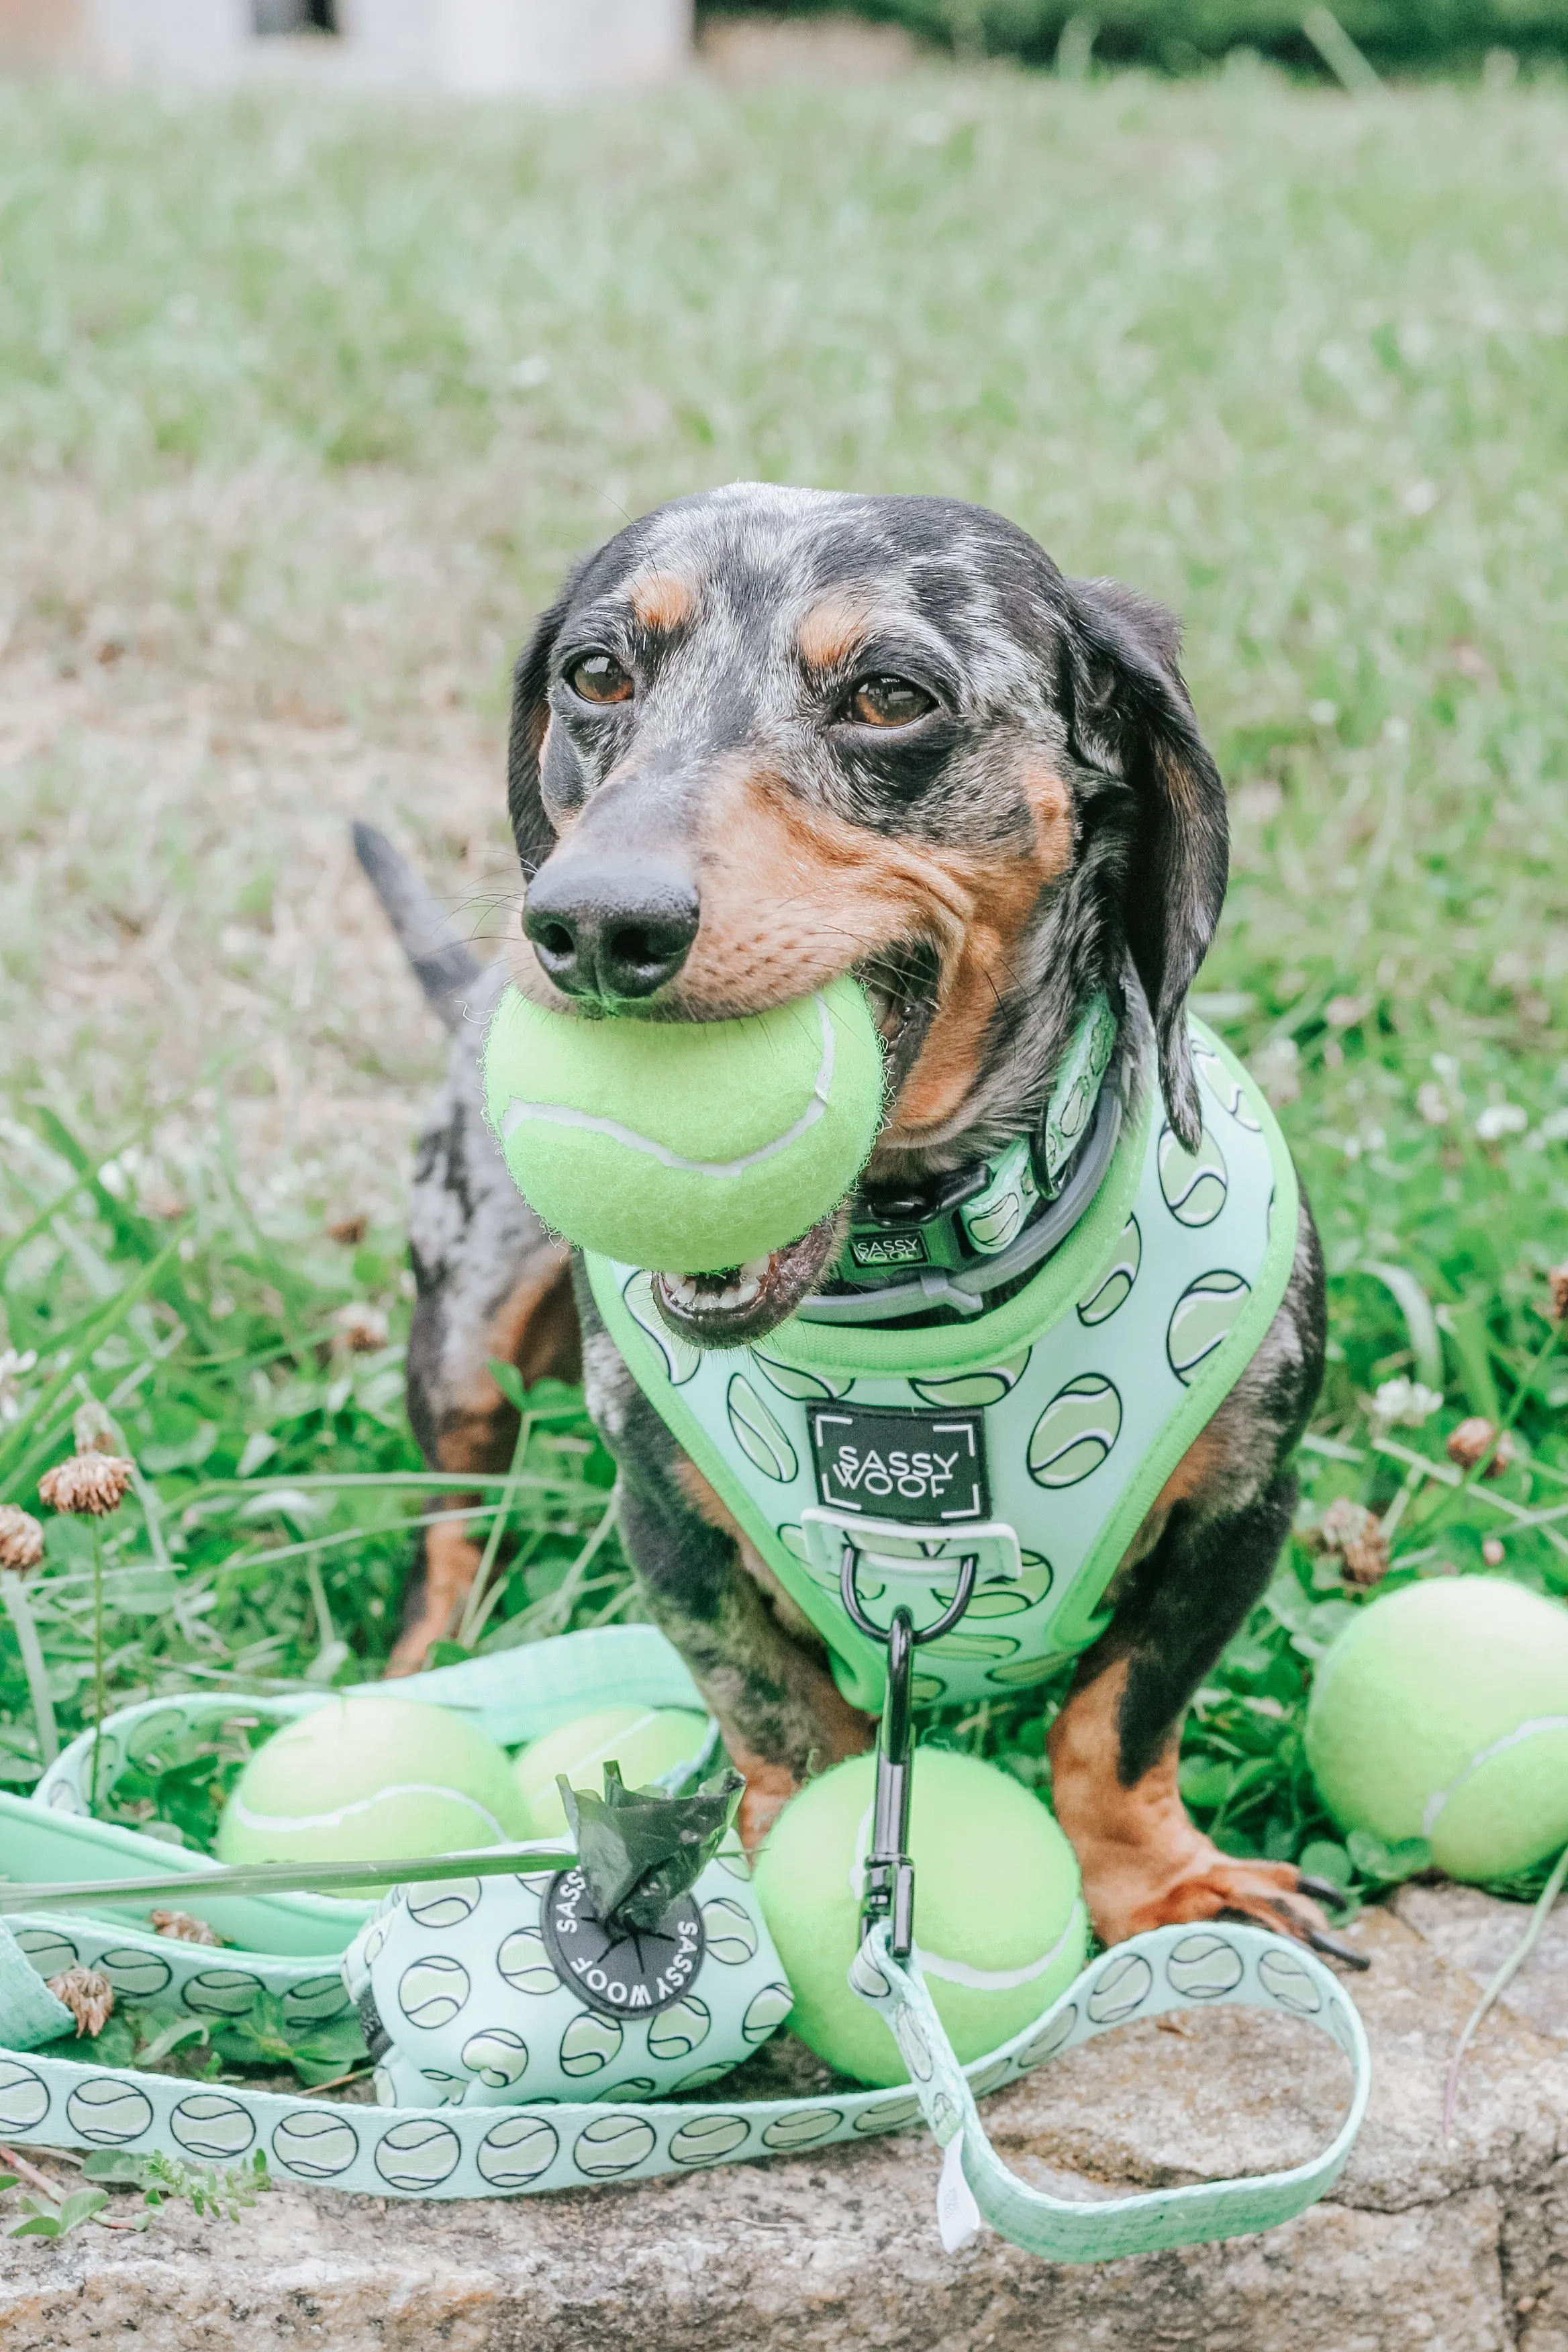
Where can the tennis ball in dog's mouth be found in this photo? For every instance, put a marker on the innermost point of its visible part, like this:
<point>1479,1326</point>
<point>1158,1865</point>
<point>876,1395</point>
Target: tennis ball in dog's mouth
<point>645,1741</point>
<point>377,1780</point>
<point>687,1146</point>
<point>1441,1712</point>
<point>1000,1927</point>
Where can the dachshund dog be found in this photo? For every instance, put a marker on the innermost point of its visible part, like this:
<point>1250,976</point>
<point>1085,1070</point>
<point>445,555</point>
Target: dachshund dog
<point>765,737</point>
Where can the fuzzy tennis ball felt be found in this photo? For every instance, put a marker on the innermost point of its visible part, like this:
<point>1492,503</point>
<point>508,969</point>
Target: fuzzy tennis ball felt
<point>1000,1927</point>
<point>686,1146</point>
<point>645,1741</point>
<point>1441,1712</point>
<point>373,1780</point>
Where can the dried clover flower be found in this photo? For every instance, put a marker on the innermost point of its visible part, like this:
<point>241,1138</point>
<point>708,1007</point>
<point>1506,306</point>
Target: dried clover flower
<point>21,1538</point>
<point>90,1485</point>
<point>361,1329</point>
<point>182,1928</point>
<point>1356,1533</point>
<point>88,1997</point>
<point>1557,1281</point>
<point>1467,1444</point>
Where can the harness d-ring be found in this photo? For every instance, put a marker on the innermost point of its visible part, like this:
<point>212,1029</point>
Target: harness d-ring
<point>890,1881</point>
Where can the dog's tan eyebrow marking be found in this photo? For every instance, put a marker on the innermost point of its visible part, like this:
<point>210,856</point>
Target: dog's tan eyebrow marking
<point>831,633</point>
<point>663,600</point>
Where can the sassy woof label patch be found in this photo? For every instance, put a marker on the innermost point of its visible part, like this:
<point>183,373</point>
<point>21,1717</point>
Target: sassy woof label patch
<point>890,1464</point>
<point>621,1975</point>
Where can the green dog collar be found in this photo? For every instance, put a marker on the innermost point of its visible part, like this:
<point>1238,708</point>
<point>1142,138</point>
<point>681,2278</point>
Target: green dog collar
<point>949,1243</point>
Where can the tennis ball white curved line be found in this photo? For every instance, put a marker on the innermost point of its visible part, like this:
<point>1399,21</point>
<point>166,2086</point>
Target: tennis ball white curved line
<point>686,1146</point>
<point>1441,1712</point>
<point>999,1923</point>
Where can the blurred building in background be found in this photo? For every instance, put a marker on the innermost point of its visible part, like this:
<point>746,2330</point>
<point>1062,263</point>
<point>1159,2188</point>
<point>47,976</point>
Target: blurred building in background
<point>547,47</point>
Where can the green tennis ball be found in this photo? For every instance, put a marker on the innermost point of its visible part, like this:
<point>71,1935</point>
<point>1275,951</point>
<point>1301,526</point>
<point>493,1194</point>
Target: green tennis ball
<point>1441,1712</point>
<point>686,1146</point>
<point>1000,1927</point>
<point>377,1780</point>
<point>645,1741</point>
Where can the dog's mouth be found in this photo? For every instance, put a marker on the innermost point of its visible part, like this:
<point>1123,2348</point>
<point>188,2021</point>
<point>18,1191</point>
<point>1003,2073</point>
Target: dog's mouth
<point>901,983</point>
<point>743,1303</point>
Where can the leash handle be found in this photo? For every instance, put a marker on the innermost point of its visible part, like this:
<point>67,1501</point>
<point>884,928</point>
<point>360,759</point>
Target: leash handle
<point>890,1880</point>
<point>1170,1968</point>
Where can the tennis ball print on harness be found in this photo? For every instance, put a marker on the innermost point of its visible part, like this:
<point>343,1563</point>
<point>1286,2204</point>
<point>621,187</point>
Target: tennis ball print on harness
<point>1032,1438</point>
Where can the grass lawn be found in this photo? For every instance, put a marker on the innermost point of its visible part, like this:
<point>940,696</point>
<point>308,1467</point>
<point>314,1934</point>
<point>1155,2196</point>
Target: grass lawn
<point>302,411</point>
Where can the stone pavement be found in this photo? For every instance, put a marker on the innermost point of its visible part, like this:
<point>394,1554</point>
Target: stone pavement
<point>1424,2248</point>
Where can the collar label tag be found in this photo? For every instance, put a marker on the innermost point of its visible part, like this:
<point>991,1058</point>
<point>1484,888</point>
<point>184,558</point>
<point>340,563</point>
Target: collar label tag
<point>920,1468</point>
<point>906,1248</point>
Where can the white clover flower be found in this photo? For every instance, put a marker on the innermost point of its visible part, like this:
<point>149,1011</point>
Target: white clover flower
<point>14,1367</point>
<point>1404,1404</point>
<point>1276,1069</point>
<point>1501,1118</point>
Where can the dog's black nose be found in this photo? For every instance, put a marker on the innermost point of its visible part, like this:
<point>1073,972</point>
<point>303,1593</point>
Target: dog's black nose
<point>612,929</point>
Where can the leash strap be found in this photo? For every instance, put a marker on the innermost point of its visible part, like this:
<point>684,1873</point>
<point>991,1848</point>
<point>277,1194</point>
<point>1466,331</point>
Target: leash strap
<point>287,1951</point>
<point>422,2152</point>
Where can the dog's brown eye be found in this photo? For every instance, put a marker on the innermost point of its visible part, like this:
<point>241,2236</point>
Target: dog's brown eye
<point>599,677</point>
<point>890,702</point>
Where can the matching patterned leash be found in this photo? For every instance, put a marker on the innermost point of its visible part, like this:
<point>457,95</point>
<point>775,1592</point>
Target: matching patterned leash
<point>1174,1968</point>
<point>294,1948</point>
<point>54,2102</point>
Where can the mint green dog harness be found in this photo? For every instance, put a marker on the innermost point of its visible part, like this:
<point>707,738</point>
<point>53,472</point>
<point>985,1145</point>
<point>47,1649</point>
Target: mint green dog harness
<point>1032,1438</point>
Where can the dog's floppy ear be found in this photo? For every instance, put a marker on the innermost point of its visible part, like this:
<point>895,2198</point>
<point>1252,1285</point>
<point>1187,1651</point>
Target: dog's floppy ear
<point>1132,713</point>
<point>530,825</point>
<point>531,828</point>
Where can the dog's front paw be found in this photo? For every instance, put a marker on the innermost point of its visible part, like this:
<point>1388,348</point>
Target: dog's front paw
<point>1188,1879</point>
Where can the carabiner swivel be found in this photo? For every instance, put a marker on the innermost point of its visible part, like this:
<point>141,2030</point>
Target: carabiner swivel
<point>890,1881</point>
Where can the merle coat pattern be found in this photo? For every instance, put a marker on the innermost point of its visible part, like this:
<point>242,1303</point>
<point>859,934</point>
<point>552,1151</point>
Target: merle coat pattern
<point>762,737</point>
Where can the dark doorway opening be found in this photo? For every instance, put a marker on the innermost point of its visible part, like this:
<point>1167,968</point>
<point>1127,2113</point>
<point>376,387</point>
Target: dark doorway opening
<point>295,16</point>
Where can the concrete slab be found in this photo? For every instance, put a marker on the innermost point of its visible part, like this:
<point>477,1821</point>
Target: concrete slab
<point>1461,2248</point>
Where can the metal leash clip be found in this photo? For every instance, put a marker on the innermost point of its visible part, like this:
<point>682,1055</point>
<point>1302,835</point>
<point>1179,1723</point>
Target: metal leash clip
<point>890,1883</point>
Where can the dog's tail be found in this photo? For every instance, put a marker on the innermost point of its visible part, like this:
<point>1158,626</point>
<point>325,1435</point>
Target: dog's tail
<point>444,962</point>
